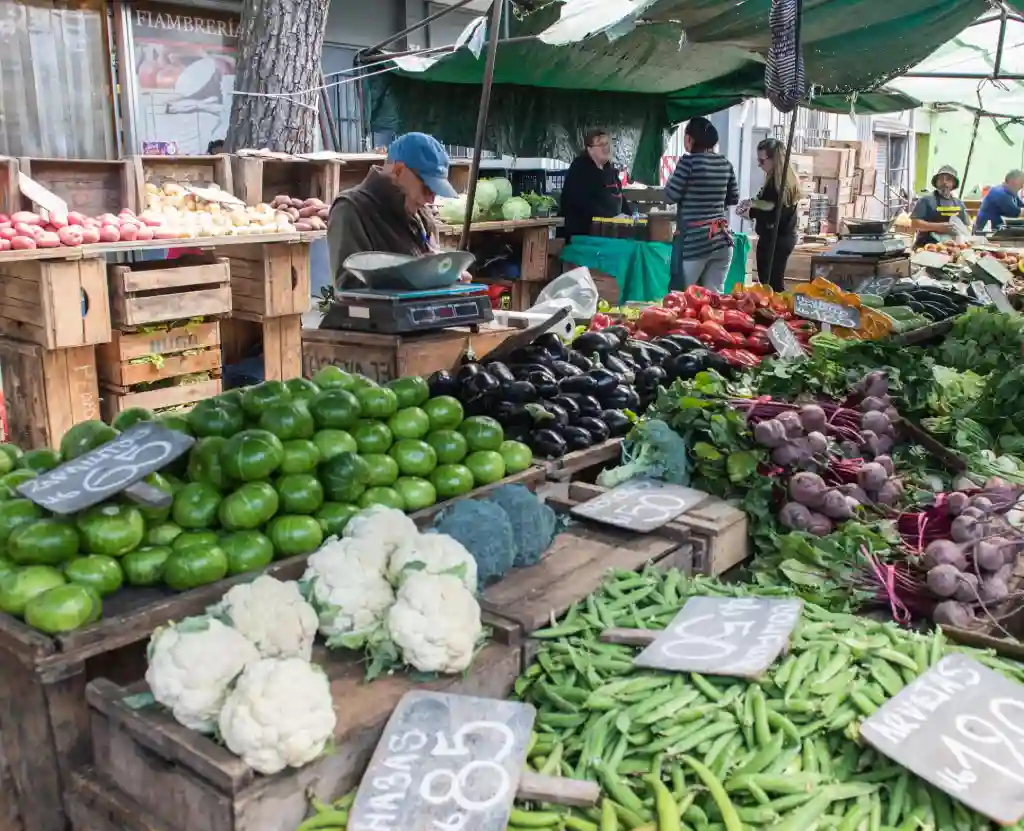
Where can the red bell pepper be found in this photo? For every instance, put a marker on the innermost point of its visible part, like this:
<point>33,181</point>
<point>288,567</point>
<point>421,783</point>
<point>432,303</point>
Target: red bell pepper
<point>759,344</point>
<point>697,296</point>
<point>688,326</point>
<point>692,314</point>
<point>760,329</point>
<point>674,300</point>
<point>740,357</point>
<point>717,333</point>
<point>802,328</point>
<point>726,301</point>
<point>705,338</point>
<point>657,321</point>
<point>736,321</point>
<point>708,313</point>
<point>600,321</point>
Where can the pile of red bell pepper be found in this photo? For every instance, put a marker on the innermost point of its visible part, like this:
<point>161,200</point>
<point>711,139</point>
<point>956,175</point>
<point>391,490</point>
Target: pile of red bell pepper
<point>735,325</point>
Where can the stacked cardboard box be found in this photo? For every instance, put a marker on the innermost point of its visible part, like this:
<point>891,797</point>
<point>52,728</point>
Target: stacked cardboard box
<point>842,174</point>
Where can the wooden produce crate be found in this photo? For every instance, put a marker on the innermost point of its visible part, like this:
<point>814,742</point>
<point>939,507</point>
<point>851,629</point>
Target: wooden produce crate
<point>269,280</point>
<point>278,339</point>
<point>134,359</point>
<point>44,715</point>
<point>187,781</point>
<point>533,477</point>
<point>201,171</point>
<point>256,179</point>
<point>95,804</point>
<point>383,358</point>
<point>355,166</point>
<point>46,391</point>
<point>55,303</point>
<point>163,290</point>
<point>585,464</point>
<point>89,186</point>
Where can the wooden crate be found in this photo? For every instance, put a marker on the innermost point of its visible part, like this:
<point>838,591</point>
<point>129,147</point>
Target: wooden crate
<point>533,477</point>
<point>163,290</point>
<point>55,303</point>
<point>270,280</point>
<point>279,339</point>
<point>187,781</point>
<point>355,166</point>
<point>257,179</point>
<point>201,171</point>
<point>9,201</point>
<point>46,391</point>
<point>44,715</point>
<point>89,186</point>
<point>584,463</point>
<point>114,359</point>
<point>528,237</point>
<point>95,804</point>
<point>383,358</point>
<point>116,399</point>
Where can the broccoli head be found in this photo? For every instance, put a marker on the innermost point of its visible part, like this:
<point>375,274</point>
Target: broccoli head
<point>533,522</point>
<point>484,529</point>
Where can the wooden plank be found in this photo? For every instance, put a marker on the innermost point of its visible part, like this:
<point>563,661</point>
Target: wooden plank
<point>127,374</point>
<point>534,266</point>
<point>192,170</point>
<point>21,368</point>
<point>138,311</point>
<point>132,279</point>
<point>89,186</point>
<point>162,398</point>
<point>572,464</point>
<point>505,225</point>
<point>282,348</point>
<point>124,346</point>
<point>96,804</point>
<point>258,180</point>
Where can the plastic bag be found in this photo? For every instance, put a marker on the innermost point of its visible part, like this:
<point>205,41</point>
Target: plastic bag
<point>575,289</point>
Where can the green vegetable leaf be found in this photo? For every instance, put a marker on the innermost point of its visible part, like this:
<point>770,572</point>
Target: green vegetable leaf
<point>706,451</point>
<point>741,465</point>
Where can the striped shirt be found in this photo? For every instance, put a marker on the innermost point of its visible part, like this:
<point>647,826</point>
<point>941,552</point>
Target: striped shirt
<point>703,185</point>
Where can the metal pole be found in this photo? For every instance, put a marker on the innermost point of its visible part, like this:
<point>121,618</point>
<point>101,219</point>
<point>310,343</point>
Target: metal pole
<point>332,128</point>
<point>781,193</point>
<point>481,118</point>
<point>999,45</point>
<point>965,76</point>
<point>970,152</point>
<point>408,30</point>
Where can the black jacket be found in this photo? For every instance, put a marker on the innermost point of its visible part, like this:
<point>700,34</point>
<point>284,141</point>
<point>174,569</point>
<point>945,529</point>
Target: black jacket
<point>764,221</point>
<point>590,191</point>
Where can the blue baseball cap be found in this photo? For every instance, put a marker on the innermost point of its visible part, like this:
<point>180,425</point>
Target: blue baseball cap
<point>425,157</point>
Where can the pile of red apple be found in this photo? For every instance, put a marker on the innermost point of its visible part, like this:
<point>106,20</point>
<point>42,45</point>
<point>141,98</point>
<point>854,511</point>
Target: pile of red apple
<point>25,230</point>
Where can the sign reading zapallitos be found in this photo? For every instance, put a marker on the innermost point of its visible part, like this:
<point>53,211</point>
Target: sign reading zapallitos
<point>186,23</point>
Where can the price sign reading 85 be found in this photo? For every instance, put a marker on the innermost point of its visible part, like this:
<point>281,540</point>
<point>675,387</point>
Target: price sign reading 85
<point>640,505</point>
<point>724,636</point>
<point>444,763</point>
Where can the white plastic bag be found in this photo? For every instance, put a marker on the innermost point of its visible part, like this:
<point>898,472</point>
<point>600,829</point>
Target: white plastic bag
<point>575,289</point>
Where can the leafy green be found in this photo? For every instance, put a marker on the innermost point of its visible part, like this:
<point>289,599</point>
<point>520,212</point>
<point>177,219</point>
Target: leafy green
<point>651,449</point>
<point>984,340</point>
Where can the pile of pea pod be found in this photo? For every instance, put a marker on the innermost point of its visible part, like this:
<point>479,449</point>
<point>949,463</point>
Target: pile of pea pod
<point>685,752</point>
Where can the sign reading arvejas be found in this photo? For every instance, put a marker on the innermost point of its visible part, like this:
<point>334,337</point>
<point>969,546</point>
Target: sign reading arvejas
<point>107,470</point>
<point>739,636</point>
<point>448,762</point>
<point>961,727</point>
<point>640,505</point>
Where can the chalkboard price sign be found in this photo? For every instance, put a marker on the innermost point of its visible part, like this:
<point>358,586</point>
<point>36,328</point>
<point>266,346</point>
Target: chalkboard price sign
<point>877,284</point>
<point>107,470</point>
<point>444,763</point>
<point>640,505</point>
<point>999,298</point>
<point>823,311</point>
<point>740,636</point>
<point>961,727</point>
<point>785,342</point>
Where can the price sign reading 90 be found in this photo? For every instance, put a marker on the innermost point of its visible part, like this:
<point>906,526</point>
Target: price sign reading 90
<point>961,727</point>
<point>444,763</point>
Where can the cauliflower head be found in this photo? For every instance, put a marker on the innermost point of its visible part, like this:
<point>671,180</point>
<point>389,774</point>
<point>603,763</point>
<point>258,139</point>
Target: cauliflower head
<point>432,554</point>
<point>192,665</point>
<point>280,714</point>
<point>388,527</point>
<point>373,553</point>
<point>273,615</point>
<point>350,595</point>
<point>435,622</point>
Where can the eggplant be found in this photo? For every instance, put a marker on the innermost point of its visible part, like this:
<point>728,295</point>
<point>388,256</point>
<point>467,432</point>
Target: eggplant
<point>685,365</point>
<point>570,405</point>
<point>638,351</point>
<point>684,342</point>
<point>521,371</point>
<point>521,434</point>
<point>552,344</point>
<point>576,438</point>
<point>547,414</point>
<point>545,386</point>
<point>564,369</point>
<point>581,384</point>
<point>442,383</point>
<point>617,421</point>
<point>500,371</point>
<point>614,364</point>
<point>669,346</point>
<point>597,428</point>
<point>578,359</point>
<point>482,384</point>
<point>518,392</point>
<point>588,404</point>
<point>546,443</point>
<point>531,354</point>
<point>625,358</point>
<point>606,380</point>
<point>623,397</point>
<point>620,333</point>
<point>467,371</point>
<point>590,342</point>
<point>658,353</point>
<point>477,407</point>
<point>712,360</point>
<point>648,380</point>
<point>509,415</point>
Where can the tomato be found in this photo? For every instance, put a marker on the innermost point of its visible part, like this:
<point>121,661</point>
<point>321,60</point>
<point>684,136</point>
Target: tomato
<point>383,469</point>
<point>518,457</point>
<point>410,423</point>
<point>63,609</point>
<point>417,493</point>
<point>415,457</point>
<point>451,480</point>
<point>487,466</point>
<point>482,433</point>
<point>444,412</point>
<point>372,436</point>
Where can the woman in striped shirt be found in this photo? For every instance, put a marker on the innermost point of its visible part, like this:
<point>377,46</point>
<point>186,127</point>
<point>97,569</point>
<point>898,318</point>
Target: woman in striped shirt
<point>703,185</point>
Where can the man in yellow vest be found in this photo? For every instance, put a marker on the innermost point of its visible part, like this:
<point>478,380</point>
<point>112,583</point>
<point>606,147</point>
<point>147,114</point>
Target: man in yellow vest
<point>933,212</point>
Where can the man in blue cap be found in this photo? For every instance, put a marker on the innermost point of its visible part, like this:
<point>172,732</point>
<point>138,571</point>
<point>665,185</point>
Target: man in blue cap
<point>390,210</point>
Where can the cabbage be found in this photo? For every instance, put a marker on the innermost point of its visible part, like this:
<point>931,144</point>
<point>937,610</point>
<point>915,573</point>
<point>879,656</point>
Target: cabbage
<point>504,189</point>
<point>453,211</point>
<point>486,194</point>
<point>515,208</point>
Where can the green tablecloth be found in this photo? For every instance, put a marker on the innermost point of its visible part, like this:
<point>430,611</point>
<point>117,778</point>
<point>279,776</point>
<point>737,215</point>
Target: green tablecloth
<point>642,268</point>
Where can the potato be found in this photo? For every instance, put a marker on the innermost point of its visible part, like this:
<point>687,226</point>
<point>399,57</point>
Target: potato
<point>303,226</point>
<point>324,213</point>
<point>317,223</point>
<point>296,203</point>
<point>313,202</point>
<point>294,214</point>
<point>308,211</point>
<point>282,199</point>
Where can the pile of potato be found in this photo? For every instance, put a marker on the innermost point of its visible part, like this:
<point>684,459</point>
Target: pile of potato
<point>307,214</point>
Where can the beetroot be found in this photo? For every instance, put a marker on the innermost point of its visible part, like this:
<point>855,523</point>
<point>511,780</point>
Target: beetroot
<point>967,590</point>
<point>791,422</point>
<point>872,404</point>
<point>993,589</point>
<point>807,489</point>
<point>796,516</point>
<point>890,492</point>
<point>849,449</point>
<point>956,502</point>
<point>834,506</point>
<point>989,554</point>
<point>770,433</point>
<point>787,455</point>
<point>982,503</point>
<point>965,529</point>
<point>872,477</point>
<point>875,384</point>
<point>944,552</point>
<point>876,422</point>
<point>813,418</point>
<point>951,613</point>
<point>943,579</point>
<point>886,462</point>
<point>821,525</point>
<point>855,492</point>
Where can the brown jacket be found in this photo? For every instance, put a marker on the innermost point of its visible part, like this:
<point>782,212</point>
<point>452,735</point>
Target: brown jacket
<point>372,217</point>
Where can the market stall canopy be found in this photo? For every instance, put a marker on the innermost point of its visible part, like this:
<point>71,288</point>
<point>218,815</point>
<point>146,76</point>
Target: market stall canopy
<point>974,53</point>
<point>646,65</point>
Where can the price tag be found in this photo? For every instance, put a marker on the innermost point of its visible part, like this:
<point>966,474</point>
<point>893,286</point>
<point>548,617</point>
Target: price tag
<point>640,505</point>
<point>109,469</point>
<point>991,267</point>
<point>785,342</point>
<point>981,292</point>
<point>876,284</point>
<point>822,310</point>
<point>444,763</point>
<point>739,636</point>
<point>960,726</point>
<point>999,298</point>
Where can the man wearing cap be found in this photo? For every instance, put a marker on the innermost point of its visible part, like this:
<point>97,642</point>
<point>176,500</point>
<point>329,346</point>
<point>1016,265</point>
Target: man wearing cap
<point>933,211</point>
<point>390,210</point>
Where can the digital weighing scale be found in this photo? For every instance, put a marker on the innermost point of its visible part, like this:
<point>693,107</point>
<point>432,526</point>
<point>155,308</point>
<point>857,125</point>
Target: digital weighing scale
<point>868,245</point>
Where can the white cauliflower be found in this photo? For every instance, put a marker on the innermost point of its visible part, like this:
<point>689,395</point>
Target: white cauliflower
<point>388,527</point>
<point>432,554</point>
<point>273,615</point>
<point>192,665</point>
<point>280,714</point>
<point>349,593</point>
<point>374,554</point>
<point>435,622</point>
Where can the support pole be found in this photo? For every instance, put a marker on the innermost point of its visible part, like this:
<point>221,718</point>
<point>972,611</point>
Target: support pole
<point>970,152</point>
<point>408,30</point>
<point>481,118</point>
<point>781,193</point>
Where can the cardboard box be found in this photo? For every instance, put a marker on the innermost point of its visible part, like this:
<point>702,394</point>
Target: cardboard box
<point>861,206</point>
<point>836,215</point>
<point>867,181</point>
<point>833,162</point>
<point>802,164</point>
<point>863,151</point>
<point>839,190</point>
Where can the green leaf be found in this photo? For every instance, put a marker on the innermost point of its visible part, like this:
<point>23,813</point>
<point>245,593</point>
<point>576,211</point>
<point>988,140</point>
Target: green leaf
<point>741,465</point>
<point>706,451</point>
<point>139,701</point>
<point>799,574</point>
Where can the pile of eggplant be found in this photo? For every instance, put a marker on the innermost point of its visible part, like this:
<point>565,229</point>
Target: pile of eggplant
<point>558,398</point>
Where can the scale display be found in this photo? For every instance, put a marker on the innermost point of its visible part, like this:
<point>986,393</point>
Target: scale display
<point>402,312</point>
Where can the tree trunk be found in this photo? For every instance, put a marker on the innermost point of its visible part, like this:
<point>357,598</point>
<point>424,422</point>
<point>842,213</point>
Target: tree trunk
<point>280,42</point>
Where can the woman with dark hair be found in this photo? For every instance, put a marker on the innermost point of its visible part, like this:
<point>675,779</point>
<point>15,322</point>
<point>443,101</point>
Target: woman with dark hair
<point>592,187</point>
<point>703,185</point>
<point>771,156</point>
